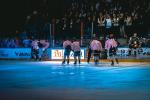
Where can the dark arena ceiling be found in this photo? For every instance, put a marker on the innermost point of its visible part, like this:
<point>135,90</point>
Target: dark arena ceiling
<point>14,12</point>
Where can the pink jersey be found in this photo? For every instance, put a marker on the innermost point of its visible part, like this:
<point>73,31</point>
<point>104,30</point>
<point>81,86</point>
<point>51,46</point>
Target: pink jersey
<point>96,45</point>
<point>75,46</point>
<point>45,44</point>
<point>66,43</point>
<point>35,44</point>
<point>110,43</point>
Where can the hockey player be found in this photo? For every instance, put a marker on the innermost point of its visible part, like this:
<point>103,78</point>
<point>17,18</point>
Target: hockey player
<point>96,47</point>
<point>76,49</point>
<point>111,47</point>
<point>67,50</point>
<point>35,49</point>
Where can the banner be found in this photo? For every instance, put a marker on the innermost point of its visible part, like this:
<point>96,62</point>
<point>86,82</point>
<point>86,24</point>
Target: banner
<point>59,54</point>
<point>141,51</point>
<point>15,53</point>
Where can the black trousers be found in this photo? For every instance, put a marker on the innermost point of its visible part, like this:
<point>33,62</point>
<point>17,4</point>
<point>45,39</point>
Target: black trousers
<point>35,54</point>
<point>89,55</point>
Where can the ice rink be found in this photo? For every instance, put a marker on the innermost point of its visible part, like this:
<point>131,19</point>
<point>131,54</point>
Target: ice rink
<point>50,80</point>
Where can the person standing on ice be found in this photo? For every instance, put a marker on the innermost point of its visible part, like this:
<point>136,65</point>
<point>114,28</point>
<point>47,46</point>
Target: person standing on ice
<point>45,45</point>
<point>76,49</point>
<point>96,48</point>
<point>111,47</point>
<point>35,49</point>
<point>67,50</point>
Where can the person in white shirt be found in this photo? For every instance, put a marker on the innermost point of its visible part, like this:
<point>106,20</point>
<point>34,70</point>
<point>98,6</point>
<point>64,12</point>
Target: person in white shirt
<point>108,25</point>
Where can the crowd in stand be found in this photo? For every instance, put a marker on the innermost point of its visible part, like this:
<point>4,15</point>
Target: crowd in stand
<point>120,16</point>
<point>9,43</point>
<point>100,17</point>
<point>25,43</point>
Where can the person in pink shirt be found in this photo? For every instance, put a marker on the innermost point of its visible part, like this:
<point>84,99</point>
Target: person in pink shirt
<point>45,45</point>
<point>76,49</point>
<point>67,50</point>
<point>111,47</point>
<point>96,47</point>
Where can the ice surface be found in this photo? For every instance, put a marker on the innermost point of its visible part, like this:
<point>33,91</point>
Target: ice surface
<point>52,75</point>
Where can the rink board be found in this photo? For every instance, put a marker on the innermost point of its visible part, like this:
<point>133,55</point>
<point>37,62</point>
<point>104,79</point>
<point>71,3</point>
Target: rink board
<point>58,53</point>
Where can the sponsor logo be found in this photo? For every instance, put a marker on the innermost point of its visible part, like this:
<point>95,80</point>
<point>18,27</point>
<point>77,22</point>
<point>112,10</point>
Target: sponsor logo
<point>22,54</point>
<point>3,53</point>
<point>59,54</point>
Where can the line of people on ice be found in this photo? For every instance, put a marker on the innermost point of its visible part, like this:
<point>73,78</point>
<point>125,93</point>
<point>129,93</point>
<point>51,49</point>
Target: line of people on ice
<point>111,45</point>
<point>72,46</point>
<point>95,48</point>
<point>35,49</point>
